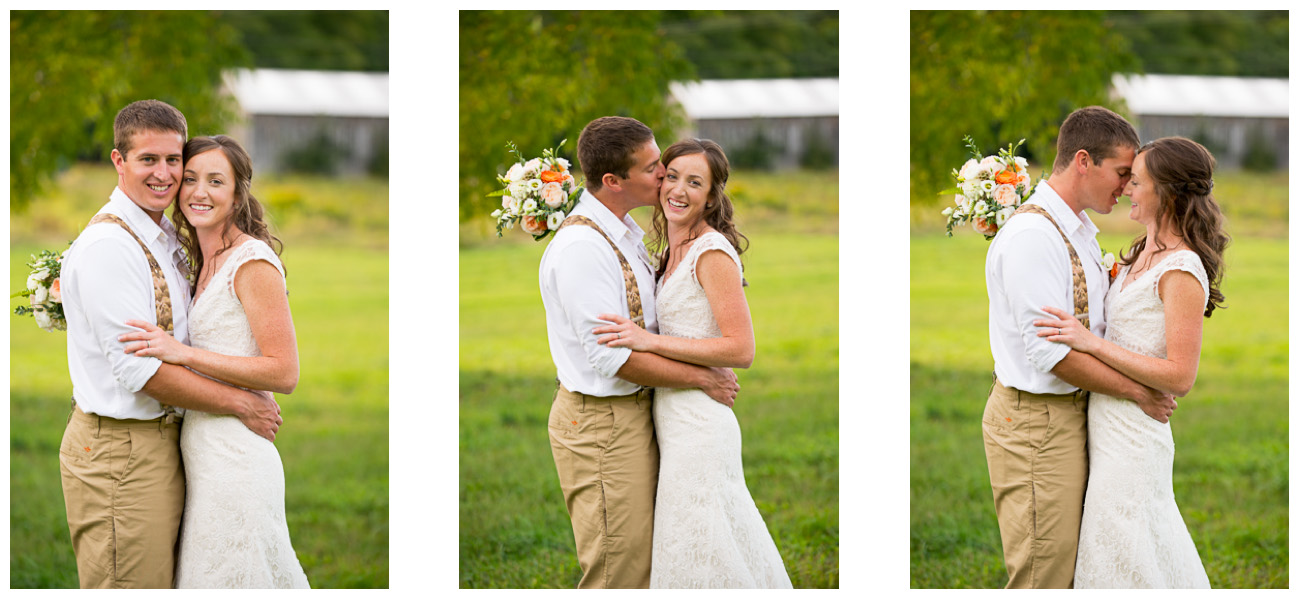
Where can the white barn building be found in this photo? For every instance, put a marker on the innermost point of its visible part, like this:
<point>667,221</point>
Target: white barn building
<point>1231,116</point>
<point>289,111</point>
<point>790,115</point>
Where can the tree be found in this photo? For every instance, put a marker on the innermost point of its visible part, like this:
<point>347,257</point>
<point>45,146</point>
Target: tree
<point>753,44</point>
<point>1240,43</point>
<point>537,77</point>
<point>71,71</point>
<point>337,40</point>
<point>1000,76</point>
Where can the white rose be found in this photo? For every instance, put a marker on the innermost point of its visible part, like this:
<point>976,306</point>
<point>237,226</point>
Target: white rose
<point>1108,261</point>
<point>34,280</point>
<point>971,187</point>
<point>554,220</point>
<point>1022,163</point>
<point>518,189</point>
<point>515,173</point>
<point>530,205</point>
<point>963,202</point>
<point>563,163</point>
<point>969,170</point>
<point>533,166</point>
<point>43,320</point>
<point>40,296</point>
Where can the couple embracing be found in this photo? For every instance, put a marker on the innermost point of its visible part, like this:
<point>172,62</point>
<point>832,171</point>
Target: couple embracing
<point>1076,429</point>
<point>178,331</point>
<point>645,443</point>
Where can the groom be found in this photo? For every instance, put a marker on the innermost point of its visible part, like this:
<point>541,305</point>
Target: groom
<point>601,427</point>
<point>123,480</point>
<point>1035,422</point>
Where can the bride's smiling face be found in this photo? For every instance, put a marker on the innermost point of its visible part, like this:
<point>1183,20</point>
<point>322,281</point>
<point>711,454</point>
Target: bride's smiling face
<point>208,190</point>
<point>1141,191</point>
<point>686,189</point>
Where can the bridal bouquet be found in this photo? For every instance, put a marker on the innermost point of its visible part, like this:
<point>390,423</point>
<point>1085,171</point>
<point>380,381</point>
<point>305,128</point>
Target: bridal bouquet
<point>44,291</point>
<point>538,193</point>
<point>989,189</point>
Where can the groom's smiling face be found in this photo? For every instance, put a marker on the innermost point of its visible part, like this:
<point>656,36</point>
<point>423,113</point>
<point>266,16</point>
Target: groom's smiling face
<point>149,173</point>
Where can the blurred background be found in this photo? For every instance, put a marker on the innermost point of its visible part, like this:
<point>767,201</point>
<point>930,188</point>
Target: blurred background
<point>764,85</point>
<point>1217,77</point>
<point>306,93</point>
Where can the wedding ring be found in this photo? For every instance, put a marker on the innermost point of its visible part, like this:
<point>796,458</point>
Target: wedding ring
<point>1058,331</point>
<point>148,343</point>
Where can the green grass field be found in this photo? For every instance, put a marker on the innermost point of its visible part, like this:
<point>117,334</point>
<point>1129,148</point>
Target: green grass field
<point>1231,470</point>
<point>514,531</point>
<point>334,443</point>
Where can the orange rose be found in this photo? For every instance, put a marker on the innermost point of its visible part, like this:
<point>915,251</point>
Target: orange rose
<point>56,290</point>
<point>985,226</point>
<point>1114,270</point>
<point>551,176</point>
<point>1007,176</point>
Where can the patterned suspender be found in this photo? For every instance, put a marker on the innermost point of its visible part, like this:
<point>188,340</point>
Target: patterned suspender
<point>1080,280</point>
<point>629,278</point>
<point>161,295</point>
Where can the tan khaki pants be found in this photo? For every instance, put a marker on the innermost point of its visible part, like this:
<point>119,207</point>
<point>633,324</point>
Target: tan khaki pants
<point>608,462</point>
<point>124,489</point>
<point>1037,450</point>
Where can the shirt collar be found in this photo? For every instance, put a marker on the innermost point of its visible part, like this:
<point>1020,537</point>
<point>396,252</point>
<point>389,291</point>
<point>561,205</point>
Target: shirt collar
<point>1071,222</point>
<point>139,220</point>
<point>605,218</point>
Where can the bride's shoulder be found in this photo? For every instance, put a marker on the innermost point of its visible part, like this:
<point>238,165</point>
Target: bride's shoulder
<point>1184,261</point>
<point>252,249</point>
<point>713,240</point>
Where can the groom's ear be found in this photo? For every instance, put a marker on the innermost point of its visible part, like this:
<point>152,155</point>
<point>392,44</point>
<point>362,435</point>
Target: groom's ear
<point>1082,160</point>
<point>612,181</point>
<point>119,160</point>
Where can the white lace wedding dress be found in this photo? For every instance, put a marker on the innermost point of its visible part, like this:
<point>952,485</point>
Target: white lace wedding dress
<point>233,532</point>
<point>1132,535</point>
<point>707,531</point>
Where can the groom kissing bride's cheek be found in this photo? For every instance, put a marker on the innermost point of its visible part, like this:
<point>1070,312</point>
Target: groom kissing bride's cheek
<point>1086,369</point>
<point>645,442</point>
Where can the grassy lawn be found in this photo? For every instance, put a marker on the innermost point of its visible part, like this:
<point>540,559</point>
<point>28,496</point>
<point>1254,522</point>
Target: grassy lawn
<point>1231,471</point>
<point>514,531</point>
<point>334,443</point>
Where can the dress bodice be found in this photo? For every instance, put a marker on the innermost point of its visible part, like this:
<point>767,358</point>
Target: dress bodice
<point>217,319</point>
<point>1135,314</point>
<point>680,302</point>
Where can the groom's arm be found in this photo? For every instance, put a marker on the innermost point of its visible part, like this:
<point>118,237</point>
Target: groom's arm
<point>112,291</point>
<point>1087,372</point>
<point>652,370</point>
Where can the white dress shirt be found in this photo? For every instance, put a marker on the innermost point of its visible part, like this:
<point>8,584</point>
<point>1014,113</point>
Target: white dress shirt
<point>106,281</point>
<point>580,278</point>
<point>1027,268</point>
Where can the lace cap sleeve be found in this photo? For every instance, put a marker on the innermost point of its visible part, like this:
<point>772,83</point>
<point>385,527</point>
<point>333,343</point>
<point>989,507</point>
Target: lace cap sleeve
<point>250,251</point>
<point>1187,261</point>
<point>713,241</point>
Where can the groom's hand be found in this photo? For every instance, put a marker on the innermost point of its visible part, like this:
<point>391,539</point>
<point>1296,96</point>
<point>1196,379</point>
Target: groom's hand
<point>721,385</point>
<point>261,414</point>
<point>1157,404</point>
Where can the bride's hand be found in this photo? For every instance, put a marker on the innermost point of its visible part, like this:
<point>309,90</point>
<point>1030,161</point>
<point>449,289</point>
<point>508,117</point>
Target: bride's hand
<point>153,341</point>
<point>623,333</point>
<point>1065,329</point>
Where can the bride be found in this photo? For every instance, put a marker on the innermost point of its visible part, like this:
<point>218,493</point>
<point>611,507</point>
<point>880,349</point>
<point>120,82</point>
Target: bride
<point>233,533</point>
<point>707,531</point>
<point>1132,535</point>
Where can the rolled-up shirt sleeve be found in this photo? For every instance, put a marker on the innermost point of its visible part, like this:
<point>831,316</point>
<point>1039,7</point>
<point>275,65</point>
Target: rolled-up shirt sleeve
<point>589,285</point>
<point>111,290</point>
<point>1036,273</point>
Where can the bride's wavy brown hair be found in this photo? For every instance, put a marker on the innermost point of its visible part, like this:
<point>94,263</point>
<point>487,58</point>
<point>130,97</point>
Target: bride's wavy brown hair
<point>718,210</point>
<point>1183,173</point>
<point>247,215</point>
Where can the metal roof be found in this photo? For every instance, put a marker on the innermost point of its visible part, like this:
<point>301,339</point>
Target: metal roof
<point>746,98</point>
<point>331,93</point>
<point>1192,95</point>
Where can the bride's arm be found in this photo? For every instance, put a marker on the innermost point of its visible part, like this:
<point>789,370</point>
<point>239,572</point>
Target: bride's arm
<point>260,289</point>
<point>720,278</point>
<point>1182,294</point>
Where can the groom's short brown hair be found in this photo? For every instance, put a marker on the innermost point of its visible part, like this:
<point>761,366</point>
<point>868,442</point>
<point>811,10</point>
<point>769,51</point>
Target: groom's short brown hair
<point>609,145</point>
<point>146,115</point>
<point>1098,130</point>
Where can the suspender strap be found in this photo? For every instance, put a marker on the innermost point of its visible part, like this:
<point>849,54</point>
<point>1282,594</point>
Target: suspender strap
<point>629,278</point>
<point>1076,266</point>
<point>161,296</point>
